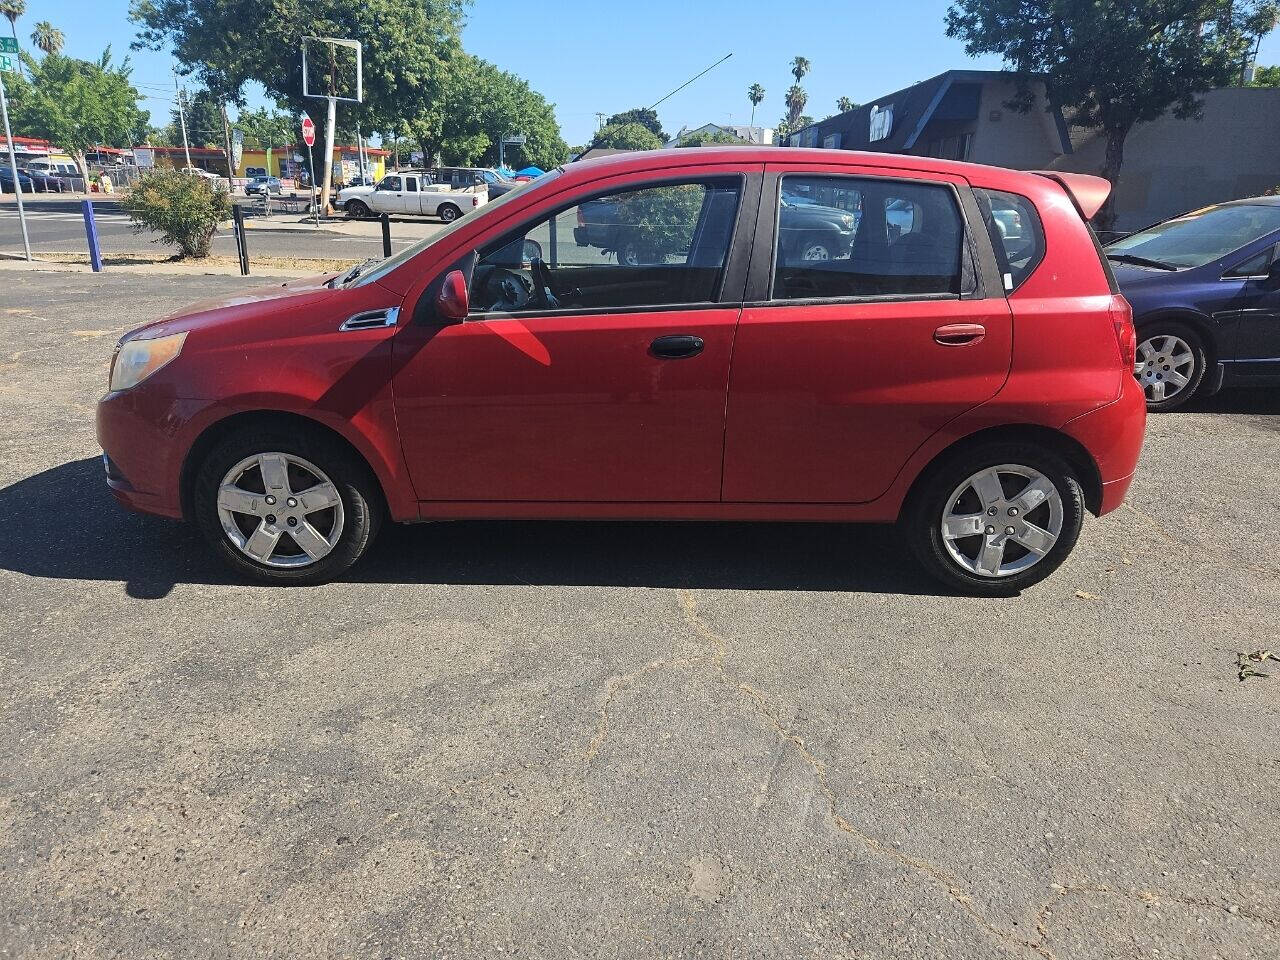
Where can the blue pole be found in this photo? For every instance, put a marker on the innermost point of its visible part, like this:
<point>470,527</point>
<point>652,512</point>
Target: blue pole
<point>91,231</point>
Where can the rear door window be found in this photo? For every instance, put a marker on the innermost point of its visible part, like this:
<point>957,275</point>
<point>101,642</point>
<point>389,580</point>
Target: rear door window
<point>1016,235</point>
<point>851,237</point>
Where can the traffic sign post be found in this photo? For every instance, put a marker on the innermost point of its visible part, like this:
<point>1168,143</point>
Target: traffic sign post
<point>11,46</point>
<point>309,138</point>
<point>512,138</point>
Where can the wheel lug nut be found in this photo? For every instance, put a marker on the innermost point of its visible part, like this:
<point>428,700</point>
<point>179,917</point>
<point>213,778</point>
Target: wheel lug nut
<point>991,512</point>
<point>1013,511</point>
<point>271,501</point>
<point>293,522</point>
<point>292,502</point>
<point>271,518</point>
<point>1009,531</point>
<point>990,530</point>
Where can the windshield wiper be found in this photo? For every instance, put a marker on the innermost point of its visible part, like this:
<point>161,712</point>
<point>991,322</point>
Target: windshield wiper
<point>1140,261</point>
<point>353,272</point>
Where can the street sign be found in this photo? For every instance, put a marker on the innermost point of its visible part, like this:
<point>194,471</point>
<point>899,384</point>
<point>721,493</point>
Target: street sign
<point>308,132</point>
<point>514,138</point>
<point>9,45</point>
<point>8,62</point>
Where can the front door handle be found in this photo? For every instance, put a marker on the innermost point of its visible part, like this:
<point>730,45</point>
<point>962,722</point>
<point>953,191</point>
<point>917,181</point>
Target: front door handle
<point>676,346</point>
<point>959,334</point>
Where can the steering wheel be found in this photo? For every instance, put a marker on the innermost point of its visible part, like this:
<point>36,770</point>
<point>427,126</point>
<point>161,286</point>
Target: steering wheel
<point>543,288</point>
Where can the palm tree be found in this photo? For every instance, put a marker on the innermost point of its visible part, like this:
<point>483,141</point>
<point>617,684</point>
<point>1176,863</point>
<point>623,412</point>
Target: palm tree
<point>844,105</point>
<point>755,93</point>
<point>13,9</point>
<point>48,37</point>
<point>796,100</point>
<point>799,67</point>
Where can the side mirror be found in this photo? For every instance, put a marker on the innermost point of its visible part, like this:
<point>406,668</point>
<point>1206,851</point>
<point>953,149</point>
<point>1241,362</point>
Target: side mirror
<point>452,302</point>
<point>531,250</point>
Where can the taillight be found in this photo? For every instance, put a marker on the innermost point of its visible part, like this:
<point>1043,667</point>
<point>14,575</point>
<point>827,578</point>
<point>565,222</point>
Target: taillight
<point>475,199</point>
<point>1126,335</point>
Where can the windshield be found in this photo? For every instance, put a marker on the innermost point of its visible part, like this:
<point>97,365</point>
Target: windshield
<point>1198,237</point>
<point>492,207</point>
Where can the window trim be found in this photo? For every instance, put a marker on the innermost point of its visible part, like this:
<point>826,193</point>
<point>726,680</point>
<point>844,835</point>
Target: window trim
<point>1230,274</point>
<point>972,262</point>
<point>733,255</point>
<point>1034,265</point>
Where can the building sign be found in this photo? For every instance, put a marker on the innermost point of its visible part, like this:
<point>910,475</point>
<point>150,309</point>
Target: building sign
<point>143,157</point>
<point>881,122</point>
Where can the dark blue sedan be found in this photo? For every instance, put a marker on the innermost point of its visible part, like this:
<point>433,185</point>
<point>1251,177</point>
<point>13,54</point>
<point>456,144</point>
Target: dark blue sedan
<point>1205,290</point>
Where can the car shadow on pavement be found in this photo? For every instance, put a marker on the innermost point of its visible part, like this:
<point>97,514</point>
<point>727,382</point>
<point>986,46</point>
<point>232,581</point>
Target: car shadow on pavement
<point>1250,400</point>
<point>87,536</point>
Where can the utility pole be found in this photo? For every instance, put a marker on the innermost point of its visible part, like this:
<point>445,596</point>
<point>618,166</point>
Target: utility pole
<point>600,120</point>
<point>226,139</point>
<point>182,117</point>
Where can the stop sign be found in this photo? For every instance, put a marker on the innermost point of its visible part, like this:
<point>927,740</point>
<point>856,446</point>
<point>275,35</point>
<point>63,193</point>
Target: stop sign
<point>308,131</point>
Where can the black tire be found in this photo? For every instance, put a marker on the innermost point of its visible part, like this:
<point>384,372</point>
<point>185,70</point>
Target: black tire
<point>922,516</point>
<point>361,502</point>
<point>448,212</point>
<point>358,209</point>
<point>810,245</point>
<point>1159,331</point>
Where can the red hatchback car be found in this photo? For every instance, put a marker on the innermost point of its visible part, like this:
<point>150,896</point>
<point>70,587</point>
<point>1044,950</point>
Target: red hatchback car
<point>790,335</point>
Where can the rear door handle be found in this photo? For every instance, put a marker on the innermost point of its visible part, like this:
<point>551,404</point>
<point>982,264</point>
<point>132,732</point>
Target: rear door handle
<point>676,346</point>
<point>959,334</point>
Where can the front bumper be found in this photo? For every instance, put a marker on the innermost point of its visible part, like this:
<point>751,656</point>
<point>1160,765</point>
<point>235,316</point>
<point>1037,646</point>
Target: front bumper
<point>144,434</point>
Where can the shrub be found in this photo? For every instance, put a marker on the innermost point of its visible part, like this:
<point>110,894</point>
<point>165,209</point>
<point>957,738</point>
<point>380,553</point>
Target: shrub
<point>184,209</point>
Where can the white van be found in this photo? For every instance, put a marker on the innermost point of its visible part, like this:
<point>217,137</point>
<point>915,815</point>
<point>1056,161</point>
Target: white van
<point>54,166</point>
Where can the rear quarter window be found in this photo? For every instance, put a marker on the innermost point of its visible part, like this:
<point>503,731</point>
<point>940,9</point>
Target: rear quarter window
<point>1016,234</point>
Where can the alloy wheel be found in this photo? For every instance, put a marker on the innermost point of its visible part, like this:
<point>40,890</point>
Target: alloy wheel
<point>815,253</point>
<point>1002,520</point>
<point>1165,365</point>
<point>280,510</point>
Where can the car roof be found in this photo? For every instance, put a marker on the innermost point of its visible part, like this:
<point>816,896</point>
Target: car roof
<point>641,160</point>
<point>1250,202</point>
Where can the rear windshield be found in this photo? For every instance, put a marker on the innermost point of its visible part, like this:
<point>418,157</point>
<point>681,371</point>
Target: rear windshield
<point>1199,237</point>
<point>1016,234</point>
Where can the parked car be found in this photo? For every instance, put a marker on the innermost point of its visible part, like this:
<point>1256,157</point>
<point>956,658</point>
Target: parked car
<point>982,398</point>
<point>263,185</point>
<point>52,166</point>
<point>42,182</point>
<point>411,193</point>
<point>809,230</point>
<point>24,180</point>
<point>1205,290</point>
<point>460,178</point>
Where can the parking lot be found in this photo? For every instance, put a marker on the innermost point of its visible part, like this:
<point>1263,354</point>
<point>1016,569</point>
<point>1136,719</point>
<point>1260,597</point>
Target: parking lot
<point>624,740</point>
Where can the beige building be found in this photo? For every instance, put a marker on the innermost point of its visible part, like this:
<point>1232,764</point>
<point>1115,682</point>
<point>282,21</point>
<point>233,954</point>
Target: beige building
<point>1172,166</point>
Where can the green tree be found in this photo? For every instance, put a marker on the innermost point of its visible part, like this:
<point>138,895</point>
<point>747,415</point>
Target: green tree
<point>706,138</point>
<point>48,37</point>
<point>78,104</point>
<point>755,93</point>
<point>13,9</point>
<point>627,136</point>
<point>645,116</point>
<point>1266,77</point>
<point>796,100</point>
<point>225,44</point>
<point>1111,65</point>
<point>844,105</point>
<point>204,119</point>
<point>268,128</point>
<point>184,209</point>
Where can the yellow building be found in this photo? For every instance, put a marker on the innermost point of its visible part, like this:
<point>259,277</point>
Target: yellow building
<point>289,162</point>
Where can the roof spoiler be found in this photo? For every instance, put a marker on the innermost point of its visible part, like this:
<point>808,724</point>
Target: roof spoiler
<point>1086,192</point>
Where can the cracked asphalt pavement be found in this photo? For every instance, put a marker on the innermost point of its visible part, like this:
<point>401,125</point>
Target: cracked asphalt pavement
<point>624,740</point>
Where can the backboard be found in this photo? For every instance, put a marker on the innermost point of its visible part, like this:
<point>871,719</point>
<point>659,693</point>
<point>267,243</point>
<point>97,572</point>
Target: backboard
<point>332,67</point>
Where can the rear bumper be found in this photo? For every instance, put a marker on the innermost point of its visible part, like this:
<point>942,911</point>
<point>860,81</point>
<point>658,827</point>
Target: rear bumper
<point>1113,435</point>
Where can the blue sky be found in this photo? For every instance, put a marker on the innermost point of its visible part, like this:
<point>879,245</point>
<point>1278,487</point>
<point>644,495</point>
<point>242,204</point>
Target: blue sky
<point>587,55</point>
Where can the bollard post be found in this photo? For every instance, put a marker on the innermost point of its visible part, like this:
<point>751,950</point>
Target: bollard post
<point>237,215</point>
<point>91,232</point>
<point>386,235</point>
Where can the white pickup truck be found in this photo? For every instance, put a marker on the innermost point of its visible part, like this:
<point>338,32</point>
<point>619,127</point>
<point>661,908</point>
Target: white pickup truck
<point>411,193</point>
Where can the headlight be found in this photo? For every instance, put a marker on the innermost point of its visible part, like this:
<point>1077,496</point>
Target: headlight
<point>135,360</point>
<point>847,221</point>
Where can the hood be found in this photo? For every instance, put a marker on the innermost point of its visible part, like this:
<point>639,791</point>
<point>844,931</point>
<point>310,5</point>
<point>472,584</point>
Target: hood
<point>251,302</point>
<point>1130,275</point>
<point>355,191</point>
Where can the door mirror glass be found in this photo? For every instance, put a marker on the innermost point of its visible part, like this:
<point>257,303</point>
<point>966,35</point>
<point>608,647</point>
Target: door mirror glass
<point>452,303</point>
